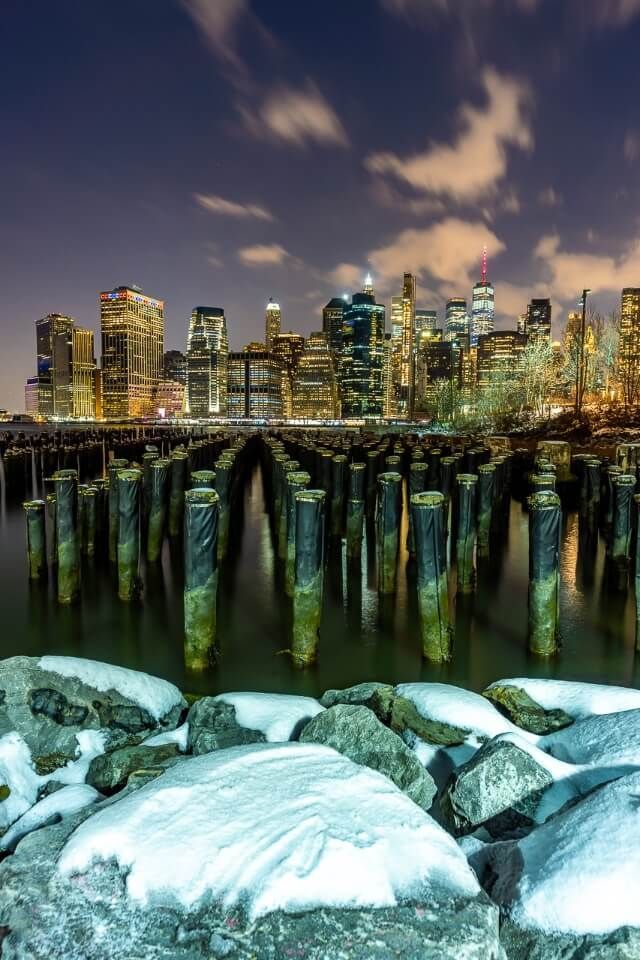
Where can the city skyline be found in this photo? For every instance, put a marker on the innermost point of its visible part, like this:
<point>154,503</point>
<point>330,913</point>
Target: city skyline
<point>282,178</point>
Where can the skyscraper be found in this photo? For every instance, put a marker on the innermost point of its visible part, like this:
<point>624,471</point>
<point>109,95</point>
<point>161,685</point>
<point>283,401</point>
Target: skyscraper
<point>286,350</point>
<point>483,305</point>
<point>500,355</point>
<point>65,368</point>
<point>315,393</point>
<point>538,319</point>
<point>175,366</point>
<point>132,348</point>
<point>361,365</point>
<point>254,384</point>
<point>437,363</point>
<point>272,322</point>
<point>629,348</point>
<point>207,353</point>
<point>426,321</point>
<point>404,395</point>
<point>332,316</point>
<point>456,318</point>
<point>83,365</point>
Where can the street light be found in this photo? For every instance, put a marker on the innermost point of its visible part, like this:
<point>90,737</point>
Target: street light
<point>580,370</point>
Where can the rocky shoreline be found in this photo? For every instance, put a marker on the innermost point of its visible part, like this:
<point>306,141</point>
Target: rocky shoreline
<point>415,821</point>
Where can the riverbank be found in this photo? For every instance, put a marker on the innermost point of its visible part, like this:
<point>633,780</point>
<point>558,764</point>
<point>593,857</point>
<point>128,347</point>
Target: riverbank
<point>376,821</point>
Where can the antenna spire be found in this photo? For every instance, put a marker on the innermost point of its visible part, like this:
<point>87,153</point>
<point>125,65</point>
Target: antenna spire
<point>484,264</point>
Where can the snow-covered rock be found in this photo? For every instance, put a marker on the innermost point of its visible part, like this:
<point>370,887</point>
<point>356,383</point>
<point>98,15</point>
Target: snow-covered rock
<point>278,716</point>
<point>610,741</point>
<point>575,698</point>
<point>60,804</point>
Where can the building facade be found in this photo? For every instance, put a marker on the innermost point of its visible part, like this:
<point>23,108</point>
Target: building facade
<point>332,320</point>
<point>32,396</point>
<point>170,399</point>
<point>361,364</point>
<point>456,318</point>
<point>436,365</point>
<point>132,326</point>
<point>287,349</point>
<point>315,391</point>
<point>483,305</point>
<point>65,368</point>
<point>500,355</point>
<point>207,355</point>
<point>174,366</point>
<point>628,373</point>
<point>537,324</point>
<point>83,365</point>
<point>254,385</point>
<point>272,322</point>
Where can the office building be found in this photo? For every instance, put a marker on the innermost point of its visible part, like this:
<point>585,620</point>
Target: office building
<point>175,366</point>
<point>361,363</point>
<point>537,324</point>
<point>254,385</point>
<point>483,305</point>
<point>272,322</point>
<point>32,396</point>
<point>629,348</point>
<point>426,321</point>
<point>403,367</point>
<point>65,368</point>
<point>83,365</point>
<point>287,349</point>
<point>436,364</point>
<point>500,355</point>
<point>332,319</point>
<point>315,392</point>
<point>170,399</point>
<point>456,319</point>
<point>207,354</point>
<point>132,352</point>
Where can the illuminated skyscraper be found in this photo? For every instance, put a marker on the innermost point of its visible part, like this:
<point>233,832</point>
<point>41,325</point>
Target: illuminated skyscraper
<point>175,366</point>
<point>272,322</point>
<point>500,355</point>
<point>287,349</point>
<point>405,386</point>
<point>483,305</point>
<point>426,321</point>
<point>132,351</point>
<point>538,319</point>
<point>332,316</point>
<point>456,318</point>
<point>207,353</point>
<point>254,384</point>
<point>83,365</point>
<point>65,368</point>
<point>315,393</point>
<point>629,347</point>
<point>437,365</point>
<point>361,364</point>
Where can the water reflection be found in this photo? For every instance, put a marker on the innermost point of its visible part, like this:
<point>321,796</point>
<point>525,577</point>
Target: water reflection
<point>363,636</point>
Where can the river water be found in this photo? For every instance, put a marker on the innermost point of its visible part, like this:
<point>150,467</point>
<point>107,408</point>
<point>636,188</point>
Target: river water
<point>362,637</point>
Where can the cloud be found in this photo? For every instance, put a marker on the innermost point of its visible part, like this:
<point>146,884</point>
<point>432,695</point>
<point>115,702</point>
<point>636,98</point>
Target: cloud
<point>346,276</point>
<point>411,9</point>
<point>510,201</point>
<point>568,272</point>
<point>262,254</point>
<point>296,117</point>
<point>447,252</point>
<point>476,161</point>
<point>550,198</point>
<point>611,13</point>
<point>218,21</point>
<point>631,146</point>
<point>229,208</point>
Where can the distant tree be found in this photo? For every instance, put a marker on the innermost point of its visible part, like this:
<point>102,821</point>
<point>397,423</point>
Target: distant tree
<point>538,376</point>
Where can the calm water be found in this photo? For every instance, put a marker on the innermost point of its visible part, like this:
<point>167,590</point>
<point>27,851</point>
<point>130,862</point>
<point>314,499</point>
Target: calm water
<point>362,637</point>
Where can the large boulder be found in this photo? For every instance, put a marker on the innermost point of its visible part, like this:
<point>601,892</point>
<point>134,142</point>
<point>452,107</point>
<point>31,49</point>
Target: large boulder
<point>343,832</point>
<point>499,789</point>
<point>49,700</point>
<point>111,771</point>
<point>521,709</point>
<point>405,716</point>
<point>377,696</point>
<point>355,732</point>
<point>213,726</point>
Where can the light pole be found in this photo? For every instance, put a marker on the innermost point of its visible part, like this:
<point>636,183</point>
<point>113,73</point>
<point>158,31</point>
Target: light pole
<point>580,370</point>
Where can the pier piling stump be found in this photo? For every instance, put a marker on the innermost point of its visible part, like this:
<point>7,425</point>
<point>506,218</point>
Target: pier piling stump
<point>158,490</point>
<point>355,508</point>
<point>66,487</point>
<point>201,514</point>
<point>307,598</point>
<point>388,510</point>
<point>467,484</point>
<point>296,481</point>
<point>36,538</point>
<point>545,520</point>
<point>129,497</point>
<point>431,566</point>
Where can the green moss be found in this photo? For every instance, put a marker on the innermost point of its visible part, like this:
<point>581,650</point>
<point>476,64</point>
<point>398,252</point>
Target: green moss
<point>68,570</point>
<point>466,569</point>
<point>543,615</point>
<point>307,609</point>
<point>387,562</point>
<point>200,623</point>
<point>5,792</point>
<point>355,520</point>
<point>290,569</point>
<point>433,604</point>
<point>155,533</point>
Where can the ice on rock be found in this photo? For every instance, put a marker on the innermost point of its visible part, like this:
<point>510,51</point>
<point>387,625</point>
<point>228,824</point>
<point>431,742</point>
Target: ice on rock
<point>153,694</point>
<point>578,873</point>
<point>289,826</point>
<point>276,715</point>
<point>62,803</point>
<point>575,698</point>
<point>18,774</point>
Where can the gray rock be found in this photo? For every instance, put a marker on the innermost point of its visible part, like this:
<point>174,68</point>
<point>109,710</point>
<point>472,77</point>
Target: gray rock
<point>622,944</point>
<point>499,789</point>
<point>213,726</point>
<point>50,917</point>
<point>523,710</point>
<point>111,771</point>
<point>377,696</point>
<point>355,732</point>
<point>48,710</point>
<point>405,716</point>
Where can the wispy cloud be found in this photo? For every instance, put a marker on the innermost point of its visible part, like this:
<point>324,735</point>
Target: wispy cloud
<point>346,276</point>
<point>262,254</point>
<point>631,146</point>
<point>297,116</point>
<point>218,21</point>
<point>472,166</point>
<point>230,208</point>
<point>549,197</point>
<point>568,271</point>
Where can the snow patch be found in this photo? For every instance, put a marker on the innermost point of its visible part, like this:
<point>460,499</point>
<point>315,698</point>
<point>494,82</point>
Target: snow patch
<point>576,699</point>
<point>276,715</point>
<point>62,803</point>
<point>154,695</point>
<point>609,740</point>
<point>289,826</point>
<point>179,736</point>
<point>18,774</point>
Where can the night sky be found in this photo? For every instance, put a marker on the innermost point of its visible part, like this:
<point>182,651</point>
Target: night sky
<point>223,151</point>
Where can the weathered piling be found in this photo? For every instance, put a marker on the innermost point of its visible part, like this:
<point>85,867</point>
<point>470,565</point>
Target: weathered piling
<point>288,467</point>
<point>179,467</point>
<point>148,458</point>
<point>418,476</point>
<point>50,520</point>
<point>539,482</point>
<point>355,508</point>
<point>427,510</point>
<point>623,491</point>
<point>609,481</point>
<point>296,481</point>
<point>338,485</point>
<point>434,458</point>
<point>66,487</point>
<point>486,496</point>
<point>89,514</point>
<point>201,514</point>
<point>203,480</point>
<point>114,467</point>
<point>636,500</point>
<point>307,597</point>
<point>157,517</point>
<point>372,482</point>
<point>224,468</point>
<point>545,520</point>
<point>388,511</point>
<point>129,496</point>
<point>466,530</point>
<point>36,538</point>
<point>447,479</point>
<point>591,472</point>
